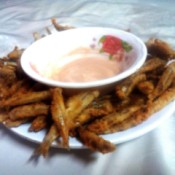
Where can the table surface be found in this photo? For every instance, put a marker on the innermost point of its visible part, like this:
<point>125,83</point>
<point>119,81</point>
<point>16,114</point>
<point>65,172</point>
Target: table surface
<point>152,153</point>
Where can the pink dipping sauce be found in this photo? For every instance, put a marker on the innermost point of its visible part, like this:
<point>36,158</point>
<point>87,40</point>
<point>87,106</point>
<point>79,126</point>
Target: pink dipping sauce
<point>87,69</point>
<point>80,65</point>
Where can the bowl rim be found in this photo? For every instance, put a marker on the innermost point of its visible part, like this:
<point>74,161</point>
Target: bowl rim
<point>77,85</point>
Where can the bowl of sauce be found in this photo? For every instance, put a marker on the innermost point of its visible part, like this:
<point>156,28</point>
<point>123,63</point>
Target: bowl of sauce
<point>84,58</point>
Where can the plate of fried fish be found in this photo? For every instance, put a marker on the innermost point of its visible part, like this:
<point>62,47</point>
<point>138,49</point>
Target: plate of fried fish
<point>44,114</point>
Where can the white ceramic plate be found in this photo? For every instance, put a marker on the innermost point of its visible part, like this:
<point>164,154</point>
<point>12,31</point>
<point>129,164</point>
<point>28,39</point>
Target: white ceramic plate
<point>119,137</point>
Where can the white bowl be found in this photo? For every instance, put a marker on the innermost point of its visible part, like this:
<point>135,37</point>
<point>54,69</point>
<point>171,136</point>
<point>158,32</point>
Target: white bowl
<point>50,48</point>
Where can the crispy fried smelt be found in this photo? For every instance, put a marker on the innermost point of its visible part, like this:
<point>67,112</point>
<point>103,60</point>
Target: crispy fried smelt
<point>6,91</point>
<point>146,87</point>
<point>95,142</point>
<point>160,48</point>
<point>3,91</point>
<point>48,31</point>
<point>15,54</point>
<point>81,100</point>
<point>3,115</point>
<point>165,81</point>
<point>104,124</point>
<point>22,99</point>
<point>38,123</point>
<point>49,138</point>
<point>163,100</point>
<point>77,103</point>
<point>152,64</point>
<point>58,26</point>
<point>7,74</point>
<point>102,107</point>
<point>10,123</point>
<point>93,111</point>
<point>146,111</point>
<point>58,115</point>
<point>36,36</point>
<point>124,89</point>
<point>5,61</point>
<point>28,111</point>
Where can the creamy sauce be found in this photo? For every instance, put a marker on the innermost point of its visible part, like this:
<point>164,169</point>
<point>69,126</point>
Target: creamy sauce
<point>81,65</point>
<point>86,70</point>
